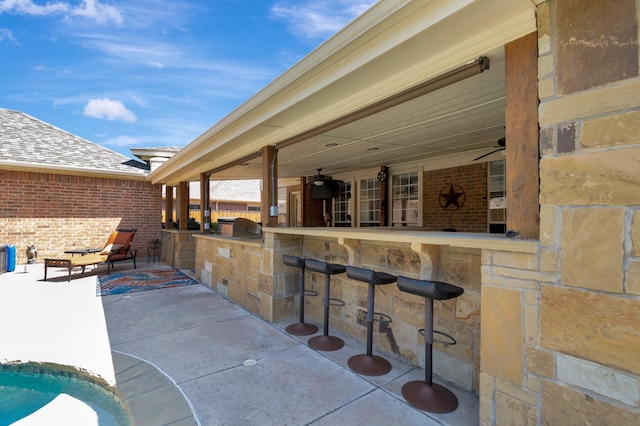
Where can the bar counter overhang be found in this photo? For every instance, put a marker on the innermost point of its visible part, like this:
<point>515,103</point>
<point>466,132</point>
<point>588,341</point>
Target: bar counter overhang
<point>251,273</point>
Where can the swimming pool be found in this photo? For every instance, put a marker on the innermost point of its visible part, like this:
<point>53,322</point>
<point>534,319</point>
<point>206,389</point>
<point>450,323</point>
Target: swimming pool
<point>24,390</point>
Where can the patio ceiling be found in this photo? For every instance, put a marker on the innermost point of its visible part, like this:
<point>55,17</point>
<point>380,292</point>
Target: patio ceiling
<point>466,117</point>
<point>370,61</point>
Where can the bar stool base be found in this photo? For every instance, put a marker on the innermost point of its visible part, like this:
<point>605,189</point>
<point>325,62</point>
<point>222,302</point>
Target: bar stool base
<point>326,343</point>
<point>434,398</point>
<point>369,365</point>
<point>301,329</point>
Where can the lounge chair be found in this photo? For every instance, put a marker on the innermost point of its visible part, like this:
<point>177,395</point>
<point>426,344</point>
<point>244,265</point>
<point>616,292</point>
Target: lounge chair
<point>117,249</point>
<point>121,247</point>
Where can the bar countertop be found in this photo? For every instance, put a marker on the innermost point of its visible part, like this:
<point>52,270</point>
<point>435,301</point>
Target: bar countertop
<point>417,236</point>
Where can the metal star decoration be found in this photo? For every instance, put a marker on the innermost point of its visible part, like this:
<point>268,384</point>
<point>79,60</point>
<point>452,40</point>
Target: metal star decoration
<point>452,197</point>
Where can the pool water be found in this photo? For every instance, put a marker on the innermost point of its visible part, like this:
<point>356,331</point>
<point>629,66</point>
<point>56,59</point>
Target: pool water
<point>22,394</point>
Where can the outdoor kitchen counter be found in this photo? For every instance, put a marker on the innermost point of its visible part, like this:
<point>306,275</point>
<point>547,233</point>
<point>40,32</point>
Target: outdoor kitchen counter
<point>413,235</point>
<point>251,273</point>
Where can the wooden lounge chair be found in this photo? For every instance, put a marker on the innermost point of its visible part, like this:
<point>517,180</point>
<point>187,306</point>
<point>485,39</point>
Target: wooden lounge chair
<point>117,249</point>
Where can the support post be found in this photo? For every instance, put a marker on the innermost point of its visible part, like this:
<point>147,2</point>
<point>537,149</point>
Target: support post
<point>168,216</point>
<point>205,207</point>
<point>182,209</point>
<point>269,195</point>
<point>521,132</point>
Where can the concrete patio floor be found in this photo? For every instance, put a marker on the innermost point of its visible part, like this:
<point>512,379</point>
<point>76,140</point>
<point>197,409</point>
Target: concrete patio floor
<point>187,355</point>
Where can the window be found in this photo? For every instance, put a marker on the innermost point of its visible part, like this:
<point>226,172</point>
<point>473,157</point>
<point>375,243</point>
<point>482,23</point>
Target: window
<point>405,199</point>
<point>497,197</point>
<point>369,211</point>
<point>343,207</point>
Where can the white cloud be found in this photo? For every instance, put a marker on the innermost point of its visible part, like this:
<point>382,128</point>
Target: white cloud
<point>108,109</point>
<point>28,7</point>
<point>5,34</point>
<point>319,18</point>
<point>91,9</point>
<point>98,12</point>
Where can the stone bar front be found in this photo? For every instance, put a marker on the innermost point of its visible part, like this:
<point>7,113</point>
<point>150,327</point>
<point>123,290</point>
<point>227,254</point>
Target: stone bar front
<point>251,273</point>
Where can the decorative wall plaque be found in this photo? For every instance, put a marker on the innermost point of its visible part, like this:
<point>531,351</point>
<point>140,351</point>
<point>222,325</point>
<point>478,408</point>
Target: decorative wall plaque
<point>452,197</point>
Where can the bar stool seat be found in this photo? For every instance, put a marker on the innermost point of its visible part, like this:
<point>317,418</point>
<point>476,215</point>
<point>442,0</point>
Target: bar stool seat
<point>326,342</point>
<point>369,364</point>
<point>426,395</point>
<point>301,328</point>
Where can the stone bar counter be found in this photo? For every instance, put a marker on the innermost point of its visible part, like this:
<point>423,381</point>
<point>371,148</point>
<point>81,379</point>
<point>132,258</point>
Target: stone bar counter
<point>251,273</point>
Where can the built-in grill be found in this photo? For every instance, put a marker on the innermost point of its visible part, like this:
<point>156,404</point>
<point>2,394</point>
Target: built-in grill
<point>238,227</point>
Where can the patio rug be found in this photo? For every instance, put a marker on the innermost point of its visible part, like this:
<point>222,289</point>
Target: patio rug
<point>126,282</point>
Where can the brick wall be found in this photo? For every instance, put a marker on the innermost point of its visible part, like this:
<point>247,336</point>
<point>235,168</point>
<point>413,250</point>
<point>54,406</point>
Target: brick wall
<point>58,212</point>
<point>472,215</point>
<point>314,211</point>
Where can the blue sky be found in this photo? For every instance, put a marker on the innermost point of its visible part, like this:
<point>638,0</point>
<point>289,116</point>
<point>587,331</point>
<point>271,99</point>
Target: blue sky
<point>143,73</point>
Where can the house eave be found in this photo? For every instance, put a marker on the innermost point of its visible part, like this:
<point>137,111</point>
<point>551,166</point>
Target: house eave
<point>305,96</point>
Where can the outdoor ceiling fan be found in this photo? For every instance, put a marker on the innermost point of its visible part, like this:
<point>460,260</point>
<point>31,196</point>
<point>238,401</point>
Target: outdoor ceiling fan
<point>323,187</point>
<point>319,179</point>
<point>501,145</point>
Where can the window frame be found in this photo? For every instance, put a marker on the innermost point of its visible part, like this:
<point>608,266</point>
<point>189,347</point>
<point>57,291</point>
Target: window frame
<point>419,199</point>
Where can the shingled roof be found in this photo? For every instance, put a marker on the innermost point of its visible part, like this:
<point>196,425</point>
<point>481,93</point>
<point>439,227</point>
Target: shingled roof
<point>29,143</point>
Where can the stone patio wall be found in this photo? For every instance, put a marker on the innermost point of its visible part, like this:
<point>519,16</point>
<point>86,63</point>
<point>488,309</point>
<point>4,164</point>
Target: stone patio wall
<point>253,275</point>
<point>561,328</point>
<point>178,248</point>
<point>244,271</point>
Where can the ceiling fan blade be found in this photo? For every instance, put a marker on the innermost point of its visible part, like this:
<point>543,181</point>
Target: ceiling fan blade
<point>488,154</point>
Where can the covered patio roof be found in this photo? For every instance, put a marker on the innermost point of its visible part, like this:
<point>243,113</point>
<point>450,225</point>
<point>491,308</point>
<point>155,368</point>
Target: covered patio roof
<point>390,49</point>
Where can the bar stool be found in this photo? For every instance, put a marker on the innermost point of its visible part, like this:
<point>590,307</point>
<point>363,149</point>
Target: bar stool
<point>426,395</point>
<point>326,342</point>
<point>369,364</point>
<point>301,328</point>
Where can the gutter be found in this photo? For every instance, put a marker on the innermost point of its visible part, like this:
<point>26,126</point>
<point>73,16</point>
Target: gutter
<point>75,171</point>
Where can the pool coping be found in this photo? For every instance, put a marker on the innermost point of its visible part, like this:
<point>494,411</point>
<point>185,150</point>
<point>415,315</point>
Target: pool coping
<point>66,372</point>
<point>150,396</point>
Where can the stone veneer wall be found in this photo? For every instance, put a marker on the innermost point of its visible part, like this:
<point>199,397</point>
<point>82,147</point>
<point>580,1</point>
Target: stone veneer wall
<point>253,275</point>
<point>179,248</point>
<point>244,271</point>
<point>459,317</point>
<point>58,212</point>
<point>561,329</point>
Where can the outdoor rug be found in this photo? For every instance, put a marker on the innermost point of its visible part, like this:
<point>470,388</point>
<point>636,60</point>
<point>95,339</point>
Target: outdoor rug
<point>126,282</point>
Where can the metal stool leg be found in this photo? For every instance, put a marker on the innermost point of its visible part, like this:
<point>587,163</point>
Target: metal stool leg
<point>301,328</point>
<point>326,342</point>
<point>369,364</point>
<point>427,395</point>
